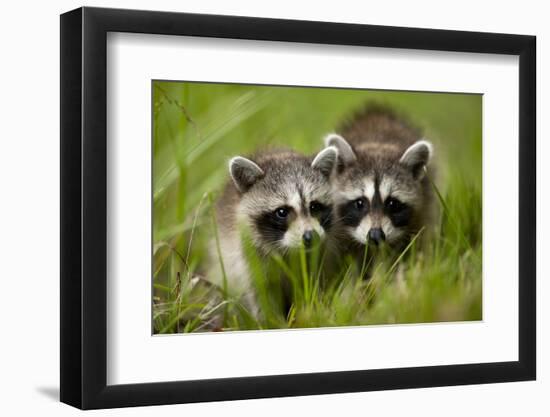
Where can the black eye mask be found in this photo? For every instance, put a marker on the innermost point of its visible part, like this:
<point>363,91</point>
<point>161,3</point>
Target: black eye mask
<point>271,225</point>
<point>399,213</point>
<point>352,212</point>
<point>322,213</point>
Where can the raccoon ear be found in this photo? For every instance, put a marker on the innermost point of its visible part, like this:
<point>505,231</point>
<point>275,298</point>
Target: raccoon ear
<point>417,156</point>
<point>244,173</point>
<point>345,151</point>
<point>326,160</point>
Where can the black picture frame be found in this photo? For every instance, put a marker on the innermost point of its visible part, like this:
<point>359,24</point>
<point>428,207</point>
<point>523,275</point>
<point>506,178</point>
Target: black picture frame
<point>84,207</point>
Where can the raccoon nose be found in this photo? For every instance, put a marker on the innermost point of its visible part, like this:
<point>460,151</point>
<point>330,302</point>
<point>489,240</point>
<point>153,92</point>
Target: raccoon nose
<point>376,235</point>
<point>308,238</point>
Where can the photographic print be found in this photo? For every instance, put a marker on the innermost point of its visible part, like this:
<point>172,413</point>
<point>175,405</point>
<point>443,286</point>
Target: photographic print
<point>281,207</point>
<point>307,196</point>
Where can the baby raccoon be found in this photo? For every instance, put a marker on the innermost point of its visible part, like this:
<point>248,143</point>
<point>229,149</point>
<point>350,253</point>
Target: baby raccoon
<point>284,201</point>
<point>380,189</point>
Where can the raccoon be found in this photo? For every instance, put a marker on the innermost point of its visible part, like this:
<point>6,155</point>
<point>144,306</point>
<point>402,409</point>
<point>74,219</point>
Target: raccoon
<point>284,201</point>
<point>381,190</point>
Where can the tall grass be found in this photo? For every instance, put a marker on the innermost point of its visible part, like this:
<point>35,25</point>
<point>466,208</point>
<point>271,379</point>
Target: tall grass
<point>197,127</point>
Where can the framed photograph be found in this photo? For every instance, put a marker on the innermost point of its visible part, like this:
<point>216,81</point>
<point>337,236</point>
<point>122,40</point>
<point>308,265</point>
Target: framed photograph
<point>257,208</point>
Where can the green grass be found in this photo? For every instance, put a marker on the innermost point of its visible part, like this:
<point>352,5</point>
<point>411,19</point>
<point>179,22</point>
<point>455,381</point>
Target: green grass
<point>198,127</point>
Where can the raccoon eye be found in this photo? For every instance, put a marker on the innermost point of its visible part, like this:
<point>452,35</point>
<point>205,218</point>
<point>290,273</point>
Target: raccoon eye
<point>393,205</point>
<point>315,207</point>
<point>281,212</point>
<point>359,203</point>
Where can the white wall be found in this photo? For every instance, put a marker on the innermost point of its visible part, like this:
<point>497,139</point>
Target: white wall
<point>29,176</point>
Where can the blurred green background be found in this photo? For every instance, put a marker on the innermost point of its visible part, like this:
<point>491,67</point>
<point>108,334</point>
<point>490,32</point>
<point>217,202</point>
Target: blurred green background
<point>197,127</point>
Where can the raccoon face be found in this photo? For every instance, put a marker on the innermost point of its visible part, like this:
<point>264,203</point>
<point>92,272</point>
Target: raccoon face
<point>285,198</point>
<point>380,197</point>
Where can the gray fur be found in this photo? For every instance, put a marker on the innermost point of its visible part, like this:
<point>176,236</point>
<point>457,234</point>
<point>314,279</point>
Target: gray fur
<point>325,161</point>
<point>345,151</point>
<point>244,173</point>
<point>389,161</point>
<point>260,185</point>
<point>417,156</point>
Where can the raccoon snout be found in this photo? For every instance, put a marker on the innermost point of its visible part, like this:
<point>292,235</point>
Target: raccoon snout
<point>376,235</point>
<point>308,238</point>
